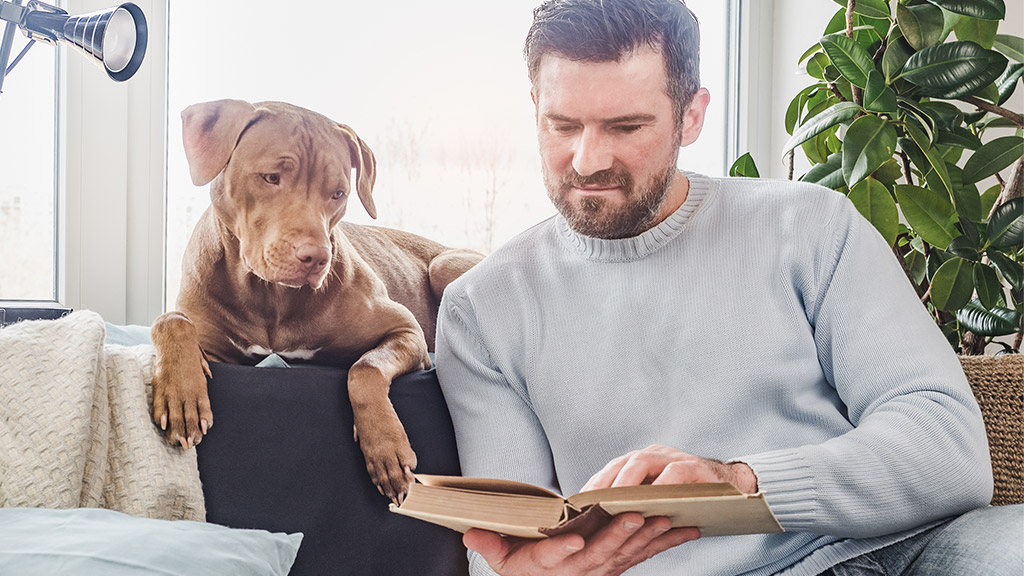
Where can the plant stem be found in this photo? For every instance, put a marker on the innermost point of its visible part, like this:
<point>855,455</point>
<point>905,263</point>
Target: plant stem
<point>906,168</point>
<point>836,92</point>
<point>982,105</point>
<point>858,96</point>
<point>789,161</point>
<point>1011,189</point>
<point>1017,341</point>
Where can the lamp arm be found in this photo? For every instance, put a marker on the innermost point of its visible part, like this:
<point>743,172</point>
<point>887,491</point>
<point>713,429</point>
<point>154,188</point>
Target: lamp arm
<point>5,50</point>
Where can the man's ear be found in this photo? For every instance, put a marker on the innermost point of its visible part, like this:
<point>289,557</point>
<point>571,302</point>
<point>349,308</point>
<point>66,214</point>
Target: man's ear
<point>693,119</point>
<point>366,168</point>
<point>210,131</point>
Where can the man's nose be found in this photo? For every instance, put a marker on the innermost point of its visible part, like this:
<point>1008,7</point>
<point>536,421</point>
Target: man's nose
<point>592,153</point>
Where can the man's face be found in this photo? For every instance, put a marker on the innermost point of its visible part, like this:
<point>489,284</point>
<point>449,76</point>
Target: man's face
<point>609,142</point>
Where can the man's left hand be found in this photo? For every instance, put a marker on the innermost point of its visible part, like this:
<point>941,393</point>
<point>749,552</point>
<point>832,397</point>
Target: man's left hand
<point>663,465</point>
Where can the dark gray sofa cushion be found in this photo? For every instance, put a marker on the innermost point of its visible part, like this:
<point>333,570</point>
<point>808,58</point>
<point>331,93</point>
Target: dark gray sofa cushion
<point>281,457</point>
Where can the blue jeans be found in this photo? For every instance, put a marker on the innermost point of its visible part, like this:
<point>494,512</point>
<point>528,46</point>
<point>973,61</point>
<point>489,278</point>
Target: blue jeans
<point>983,542</point>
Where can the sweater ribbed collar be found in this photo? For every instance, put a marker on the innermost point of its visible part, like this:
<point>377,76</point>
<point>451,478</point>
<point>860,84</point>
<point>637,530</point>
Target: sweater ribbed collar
<point>648,242</point>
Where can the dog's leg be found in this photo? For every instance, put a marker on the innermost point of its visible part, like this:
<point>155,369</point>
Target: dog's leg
<point>389,456</point>
<point>181,405</point>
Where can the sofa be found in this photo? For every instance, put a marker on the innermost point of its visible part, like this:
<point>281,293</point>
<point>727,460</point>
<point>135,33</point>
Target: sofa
<point>281,461</point>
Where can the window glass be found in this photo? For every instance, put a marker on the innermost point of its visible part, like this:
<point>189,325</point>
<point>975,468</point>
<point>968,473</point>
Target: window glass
<point>438,90</point>
<point>27,175</point>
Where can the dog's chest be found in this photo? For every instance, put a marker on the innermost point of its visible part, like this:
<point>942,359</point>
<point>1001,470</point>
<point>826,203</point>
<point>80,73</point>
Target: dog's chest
<point>256,352</point>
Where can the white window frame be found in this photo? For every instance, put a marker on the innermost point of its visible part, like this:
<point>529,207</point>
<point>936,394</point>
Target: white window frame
<point>112,182</point>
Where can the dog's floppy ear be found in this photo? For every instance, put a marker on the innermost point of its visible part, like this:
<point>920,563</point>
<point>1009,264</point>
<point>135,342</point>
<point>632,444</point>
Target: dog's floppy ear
<point>210,132</point>
<point>366,168</point>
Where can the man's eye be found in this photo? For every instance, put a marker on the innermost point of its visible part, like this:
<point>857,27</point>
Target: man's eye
<point>272,178</point>
<point>564,128</point>
<point>627,128</point>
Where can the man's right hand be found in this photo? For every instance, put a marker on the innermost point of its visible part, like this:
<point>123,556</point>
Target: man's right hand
<point>628,540</point>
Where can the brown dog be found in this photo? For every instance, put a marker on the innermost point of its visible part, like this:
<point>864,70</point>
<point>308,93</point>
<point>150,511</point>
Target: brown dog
<point>270,268</point>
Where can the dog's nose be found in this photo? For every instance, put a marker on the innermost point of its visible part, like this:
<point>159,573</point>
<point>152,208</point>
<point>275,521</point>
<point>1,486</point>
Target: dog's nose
<point>313,257</point>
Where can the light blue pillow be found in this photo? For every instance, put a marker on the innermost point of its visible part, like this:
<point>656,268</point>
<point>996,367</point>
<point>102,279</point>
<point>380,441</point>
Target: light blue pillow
<point>93,541</point>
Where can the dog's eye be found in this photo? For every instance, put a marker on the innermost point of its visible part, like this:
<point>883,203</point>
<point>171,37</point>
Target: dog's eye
<point>272,178</point>
<point>338,195</point>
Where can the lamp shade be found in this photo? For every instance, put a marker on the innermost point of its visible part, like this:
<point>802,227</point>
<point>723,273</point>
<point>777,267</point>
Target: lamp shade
<point>115,38</point>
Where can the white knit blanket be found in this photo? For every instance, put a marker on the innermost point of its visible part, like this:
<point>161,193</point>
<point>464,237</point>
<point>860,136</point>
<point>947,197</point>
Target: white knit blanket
<point>75,426</point>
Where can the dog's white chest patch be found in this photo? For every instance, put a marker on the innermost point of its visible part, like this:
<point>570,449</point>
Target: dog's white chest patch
<point>255,351</point>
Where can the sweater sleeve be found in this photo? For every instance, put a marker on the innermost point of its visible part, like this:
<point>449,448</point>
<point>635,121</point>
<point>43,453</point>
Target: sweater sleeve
<point>486,407</point>
<point>918,450</point>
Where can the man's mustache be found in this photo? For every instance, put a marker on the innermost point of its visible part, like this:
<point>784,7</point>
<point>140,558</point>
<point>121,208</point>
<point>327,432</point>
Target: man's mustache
<point>603,179</point>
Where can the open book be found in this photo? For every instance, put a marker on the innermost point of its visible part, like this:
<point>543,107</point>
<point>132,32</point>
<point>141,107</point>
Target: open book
<point>527,511</point>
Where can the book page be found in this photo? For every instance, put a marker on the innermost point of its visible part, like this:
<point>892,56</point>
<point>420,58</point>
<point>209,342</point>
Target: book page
<point>459,509</point>
<point>485,485</point>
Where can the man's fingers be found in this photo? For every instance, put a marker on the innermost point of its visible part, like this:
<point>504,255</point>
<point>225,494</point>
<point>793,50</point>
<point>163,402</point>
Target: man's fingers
<point>492,547</point>
<point>605,476</point>
<point>608,542</point>
<point>689,472</point>
<point>497,551</point>
<point>670,539</point>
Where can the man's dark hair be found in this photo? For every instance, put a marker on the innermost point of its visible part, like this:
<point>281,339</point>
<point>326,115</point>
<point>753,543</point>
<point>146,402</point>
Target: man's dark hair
<point>607,30</point>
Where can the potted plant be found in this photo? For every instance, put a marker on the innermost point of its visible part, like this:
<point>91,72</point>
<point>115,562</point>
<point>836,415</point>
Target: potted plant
<point>906,117</point>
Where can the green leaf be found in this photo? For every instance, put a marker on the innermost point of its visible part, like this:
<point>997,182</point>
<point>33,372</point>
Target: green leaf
<point>989,92</point>
<point>875,203</point>
<point>989,197</point>
<point>981,32</point>
<point>924,120</point>
<point>744,166</point>
<point>1006,227</point>
<point>954,69</point>
<point>889,172</point>
<point>812,50</point>
<point>829,174</point>
<point>816,66</point>
<point>944,114</point>
<point>816,149</point>
<point>953,284</point>
<point>870,141</point>
<point>993,157</point>
<point>995,322</point>
<point>815,125</point>
<point>935,259</point>
<point>966,199</point>
<point>928,213</point>
<point>1007,83</point>
<point>988,286</point>
<point>1011,271</point>
<point>896,55</point>
<point>852,60</point>
<point>921,25</point>
<point>877,96</point>
<point>933,157</point>
<point>960,137</point>
<point>869,8</point>
<point>915,262</point>
<point>793,110</point>
<point>962,247</point>
<point>1012,46</point>
<point>987,9</point>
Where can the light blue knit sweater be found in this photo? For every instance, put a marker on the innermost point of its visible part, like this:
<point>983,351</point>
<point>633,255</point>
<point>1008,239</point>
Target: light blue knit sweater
<point>764,321</point>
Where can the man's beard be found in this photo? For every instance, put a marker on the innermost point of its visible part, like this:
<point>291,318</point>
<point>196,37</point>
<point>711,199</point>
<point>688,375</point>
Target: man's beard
<point>594,217</point>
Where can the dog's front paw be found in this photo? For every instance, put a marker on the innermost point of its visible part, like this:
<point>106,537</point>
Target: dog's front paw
<point>390,459</point>
<point>181,404</point>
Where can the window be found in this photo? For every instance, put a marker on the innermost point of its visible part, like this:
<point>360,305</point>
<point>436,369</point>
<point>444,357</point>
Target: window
<point>438,90</point>
<point>28,189</point>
